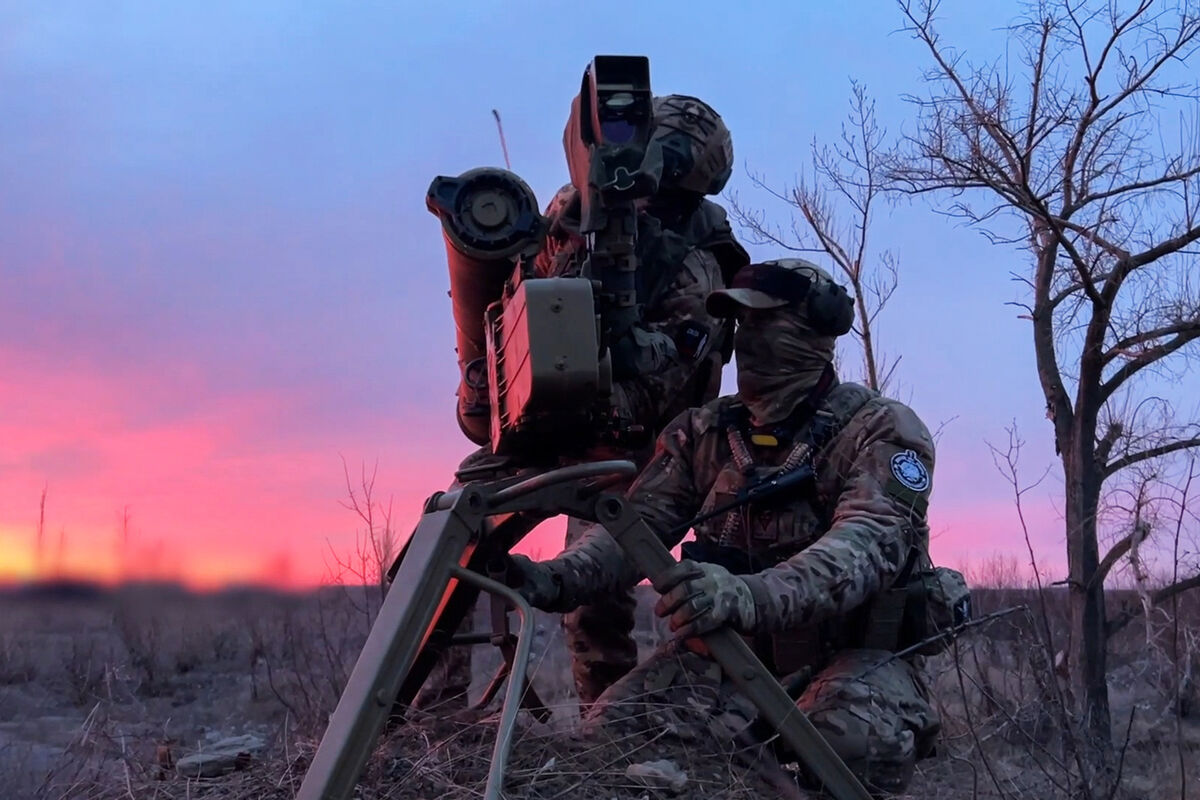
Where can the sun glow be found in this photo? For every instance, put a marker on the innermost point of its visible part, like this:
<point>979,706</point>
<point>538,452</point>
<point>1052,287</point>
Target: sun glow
<point>17,561</point>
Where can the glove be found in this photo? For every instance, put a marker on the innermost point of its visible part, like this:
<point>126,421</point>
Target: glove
<point>641,352</point>
<point>540,585</point>
<point>700,597</point>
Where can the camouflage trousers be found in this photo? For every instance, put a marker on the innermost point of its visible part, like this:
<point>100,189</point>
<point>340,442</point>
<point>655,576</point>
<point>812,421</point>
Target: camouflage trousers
<point>599,637</point>
<point>880,721</point>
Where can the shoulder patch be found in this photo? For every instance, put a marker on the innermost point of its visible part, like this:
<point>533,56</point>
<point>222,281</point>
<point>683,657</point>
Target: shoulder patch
<point>691,339</point>
<point>908,470</point>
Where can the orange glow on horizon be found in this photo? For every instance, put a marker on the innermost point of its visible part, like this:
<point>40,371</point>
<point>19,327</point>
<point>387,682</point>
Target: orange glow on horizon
<point>960,537</point>
<point>226,495</point>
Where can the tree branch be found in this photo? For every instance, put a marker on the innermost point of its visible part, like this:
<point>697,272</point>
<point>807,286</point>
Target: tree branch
<point>1114,555</point>
<point>1105,445</point>
<point>1165,248</point>
<point>1071,289</point>
<point>1144,359</point>
<point>1113,250</point>
<point>1175,177</point>
<point>1145,455</point>
<point>1132,612</point>
<point>1121,347</point>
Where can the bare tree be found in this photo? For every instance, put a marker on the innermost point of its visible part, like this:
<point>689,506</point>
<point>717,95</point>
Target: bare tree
<point>847,182</point>
<point>376,547</point>
<point>1062,148</point>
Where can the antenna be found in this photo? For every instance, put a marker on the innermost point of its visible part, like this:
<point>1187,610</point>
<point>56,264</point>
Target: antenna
<point>503,146</point>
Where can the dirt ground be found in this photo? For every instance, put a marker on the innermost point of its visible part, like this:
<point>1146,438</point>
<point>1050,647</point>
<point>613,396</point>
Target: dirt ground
<point>101,694</point>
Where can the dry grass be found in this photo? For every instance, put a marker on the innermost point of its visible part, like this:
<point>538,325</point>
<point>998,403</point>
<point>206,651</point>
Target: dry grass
<point>95,690</point>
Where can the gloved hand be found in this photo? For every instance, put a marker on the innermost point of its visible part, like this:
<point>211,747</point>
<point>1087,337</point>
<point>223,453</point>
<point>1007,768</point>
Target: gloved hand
<point>700,597</point>
<point>538,583</point>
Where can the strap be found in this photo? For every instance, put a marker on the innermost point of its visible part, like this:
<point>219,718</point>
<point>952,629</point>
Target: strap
<point>903,600</point>
<point>885,620</point>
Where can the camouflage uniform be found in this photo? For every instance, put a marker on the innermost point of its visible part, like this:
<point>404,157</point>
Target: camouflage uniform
<point>816,558</point>
<point>599,635</point>
<point>686,249</point>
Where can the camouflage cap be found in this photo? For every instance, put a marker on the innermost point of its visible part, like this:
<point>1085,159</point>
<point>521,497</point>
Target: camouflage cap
<point>767,284</point>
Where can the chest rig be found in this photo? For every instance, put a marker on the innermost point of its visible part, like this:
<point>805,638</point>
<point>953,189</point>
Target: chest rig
<point>757,536</point>
<point>771,531</point>
<point>662,245</point>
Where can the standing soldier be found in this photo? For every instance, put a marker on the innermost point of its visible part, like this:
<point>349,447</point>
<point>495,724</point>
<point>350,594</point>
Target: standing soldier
<point>669,362</point>
<point>825,579</point>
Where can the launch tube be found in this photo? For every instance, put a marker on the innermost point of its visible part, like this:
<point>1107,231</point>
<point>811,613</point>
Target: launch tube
<point>489,217</point>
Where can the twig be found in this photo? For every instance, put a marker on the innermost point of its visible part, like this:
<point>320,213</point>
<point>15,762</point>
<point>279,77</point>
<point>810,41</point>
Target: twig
<point>1116,784</point>
<point>503,144</point>
<point>950,632</point>
<point>1175,634</point>
<point>962,688</point>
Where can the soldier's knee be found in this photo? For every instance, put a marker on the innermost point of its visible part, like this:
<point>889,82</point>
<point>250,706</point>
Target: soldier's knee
<point>881,753</point>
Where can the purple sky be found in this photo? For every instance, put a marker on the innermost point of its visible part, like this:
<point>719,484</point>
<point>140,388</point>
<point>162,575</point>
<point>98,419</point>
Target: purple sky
<point>218,276</point>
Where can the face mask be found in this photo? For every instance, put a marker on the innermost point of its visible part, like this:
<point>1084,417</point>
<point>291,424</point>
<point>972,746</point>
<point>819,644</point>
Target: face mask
<point>779,361</point>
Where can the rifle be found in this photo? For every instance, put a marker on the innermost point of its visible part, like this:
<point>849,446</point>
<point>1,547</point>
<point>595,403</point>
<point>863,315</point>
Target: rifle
<point>738,560</point>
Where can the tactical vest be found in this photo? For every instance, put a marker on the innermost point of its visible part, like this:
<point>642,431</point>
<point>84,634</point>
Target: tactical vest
<point>776,531</point>
<point>661,249</point>
<point>770,534</point>
<point>922,600</point>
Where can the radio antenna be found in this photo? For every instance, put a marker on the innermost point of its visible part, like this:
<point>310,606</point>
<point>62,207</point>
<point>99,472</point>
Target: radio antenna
<point>503,145</point>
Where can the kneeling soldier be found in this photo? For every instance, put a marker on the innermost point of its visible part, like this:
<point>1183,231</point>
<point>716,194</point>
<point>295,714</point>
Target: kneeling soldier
<point>818,578</point>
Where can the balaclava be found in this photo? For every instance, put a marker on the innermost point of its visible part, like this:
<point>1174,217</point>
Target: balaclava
<point>790,313</point>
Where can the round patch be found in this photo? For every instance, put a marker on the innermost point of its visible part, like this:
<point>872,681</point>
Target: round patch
<point>909,470</point>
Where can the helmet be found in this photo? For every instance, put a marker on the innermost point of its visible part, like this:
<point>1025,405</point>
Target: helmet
<point>826,304</point>
<point>697,149</point>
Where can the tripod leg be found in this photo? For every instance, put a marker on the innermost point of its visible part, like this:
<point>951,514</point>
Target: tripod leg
<point>498,535</point>
<point>423,583</point>
<point>503,638</point>
<point>738,661</point>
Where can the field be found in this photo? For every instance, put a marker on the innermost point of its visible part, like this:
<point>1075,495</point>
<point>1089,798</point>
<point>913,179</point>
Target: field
<point>106,694</point>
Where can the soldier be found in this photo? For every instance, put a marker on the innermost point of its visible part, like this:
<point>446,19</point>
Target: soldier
<point>669,362</point>
<point>813,578</point>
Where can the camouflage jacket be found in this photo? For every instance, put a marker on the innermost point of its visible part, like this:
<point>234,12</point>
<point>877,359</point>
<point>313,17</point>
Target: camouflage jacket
<point>679,345</point>
<point>828,550</point>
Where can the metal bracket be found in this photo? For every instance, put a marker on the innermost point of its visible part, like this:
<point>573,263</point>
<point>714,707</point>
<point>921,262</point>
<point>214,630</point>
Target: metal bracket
<point>435,584</point>
<point>516,680</point>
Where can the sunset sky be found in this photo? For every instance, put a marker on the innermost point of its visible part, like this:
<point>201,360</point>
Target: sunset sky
<point>218,278</point>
